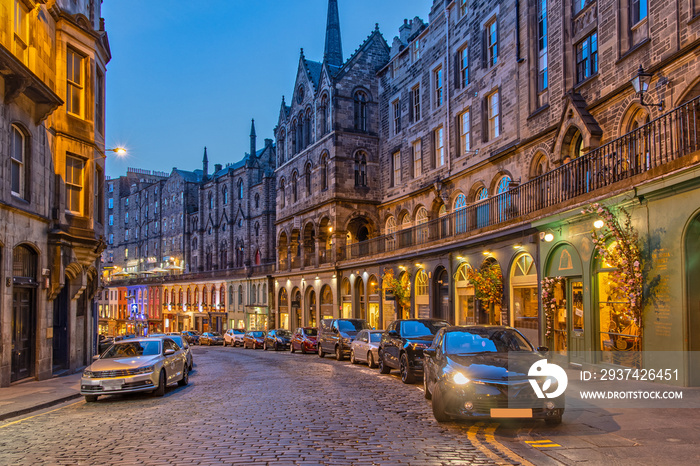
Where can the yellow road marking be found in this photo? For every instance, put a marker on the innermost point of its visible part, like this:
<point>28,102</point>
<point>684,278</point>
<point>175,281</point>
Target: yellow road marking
<point>471,435</point>
<point>37,415</point>
<point>490,438</point>
<point>541,443</point>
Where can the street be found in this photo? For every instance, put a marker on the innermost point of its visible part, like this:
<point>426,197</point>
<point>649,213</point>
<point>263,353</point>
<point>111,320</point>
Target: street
<point>244,406</point>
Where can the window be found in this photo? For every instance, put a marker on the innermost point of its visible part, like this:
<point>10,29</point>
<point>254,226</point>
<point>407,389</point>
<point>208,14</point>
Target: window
<point>324,172</point>
<point>439,136</point>
<point>225,195</point>
<point>307,179</point>
<point>110,203</point>
<point>257,200</point>
<point>417,158</point>
<point>396,106</point>
<point>111,220</point>
<point>422,283</point>
<point>126,235</point>
<point>360,169</point>
<point>415,50</point>
<point>462,7</point>
<point>19,162</point>
<point>639,10</point>
<point>74,82</point>
<point>126,253</point>
<point>21,31</point>
<point>397,168</point>
<point>240,189</point>
<point>295,191</point>
<point>415,103</point>
<point>587,58</point>
<point>579,5</point>
<point>390,230</point>
<point>460,213</point>
<point>492,42</point>
<point>494,109</point>
<point>99,102</point>
<point>126,217</point>
<point>542,76</point>
<point>360,111</point>
<point>437,79</point>
<point>111,238</point>
<point>126,202</point>
<point>282,194</point>
<point>99,196</point>
<point>464,139</point>
<point>111,187</point>
<point>463,66</point>
<point>211,201</point>
<point>74,184</point>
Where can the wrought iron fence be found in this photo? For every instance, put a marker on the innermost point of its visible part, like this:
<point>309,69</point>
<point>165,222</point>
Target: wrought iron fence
<point>667,138</point>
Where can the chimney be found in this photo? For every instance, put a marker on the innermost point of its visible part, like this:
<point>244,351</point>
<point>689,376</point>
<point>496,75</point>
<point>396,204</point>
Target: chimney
<point>405,31</point>
<point>217,167</point>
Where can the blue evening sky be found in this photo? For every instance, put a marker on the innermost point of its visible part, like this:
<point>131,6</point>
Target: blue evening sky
<point>192,73</point>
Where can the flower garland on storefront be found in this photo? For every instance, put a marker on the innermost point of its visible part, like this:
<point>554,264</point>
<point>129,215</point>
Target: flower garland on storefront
<point>401,288</point>
<point>625,257</point>
<point>549,301</point>
<point>488,283</point>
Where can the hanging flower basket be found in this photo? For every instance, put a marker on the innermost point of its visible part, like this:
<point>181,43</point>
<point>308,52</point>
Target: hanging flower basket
<point>488,284</point>
<point>401,289</point>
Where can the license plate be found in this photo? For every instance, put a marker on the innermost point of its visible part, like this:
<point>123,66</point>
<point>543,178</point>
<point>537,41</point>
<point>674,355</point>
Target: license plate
<point>511,413</point>
<point>115,384</point>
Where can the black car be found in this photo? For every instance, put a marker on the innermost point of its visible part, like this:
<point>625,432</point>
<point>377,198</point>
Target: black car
<point>401,346</point>
<point>482,371</point>
<point>277,339</point>
<point>191,336</point>
<point>335,336</point>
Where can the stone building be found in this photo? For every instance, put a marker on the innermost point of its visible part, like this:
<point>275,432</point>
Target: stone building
<point>52,125</point>
<point>187,244</point>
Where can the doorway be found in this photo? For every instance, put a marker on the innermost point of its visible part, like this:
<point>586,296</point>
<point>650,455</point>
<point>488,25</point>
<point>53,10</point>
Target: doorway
<point>22,334</point>
<point>692,259</point>
<point>60,329</point>
<point>442,294</point>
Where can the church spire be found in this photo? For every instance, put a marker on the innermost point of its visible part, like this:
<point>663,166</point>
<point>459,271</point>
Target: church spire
<point>205,163</point>
<point>333,53</point>
<point>253,149</point>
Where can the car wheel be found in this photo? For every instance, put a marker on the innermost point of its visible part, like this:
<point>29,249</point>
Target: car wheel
<point>407,375</point>
<point>91,398</point>
<point>352,357</point>
<point>264,346</point>
<point>338,353</point>
<point>291,347</point>
<point>439,407</point>
<point>426,392</point>
<point>370,360</point>
<point>554,421</point>
<point>302,348</point>
<point>160,391</point>
<point>383,368</point>
<point>185,377</point>
<point>320,351</point>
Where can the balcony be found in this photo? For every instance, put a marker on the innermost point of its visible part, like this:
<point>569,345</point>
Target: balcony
<point>656,144</point>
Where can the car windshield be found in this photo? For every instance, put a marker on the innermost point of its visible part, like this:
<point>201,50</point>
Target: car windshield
<point>257,334</point>
<point>132,348</point>
<point>238,332</point>
<point>177,339</point>
<point>375,337</point>
<point>215,334</point>
<point>484,341</point>
<point>310,332</point>
<point>417,328</point>
<point>283,333</point>
<point>352,325</point>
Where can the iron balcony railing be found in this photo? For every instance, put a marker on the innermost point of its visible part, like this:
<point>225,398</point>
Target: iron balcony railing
<point>663,140</point>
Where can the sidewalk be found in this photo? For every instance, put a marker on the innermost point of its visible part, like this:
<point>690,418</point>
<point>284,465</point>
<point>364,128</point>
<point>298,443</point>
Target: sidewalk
<point>26,397</point>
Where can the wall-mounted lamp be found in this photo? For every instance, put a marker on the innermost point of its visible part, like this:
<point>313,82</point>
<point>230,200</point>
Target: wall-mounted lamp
<point>419,266</point>
<point>549,237</point>
<point>460,258</point>
<point>598,224</point>
<point>487,253</point>
<point>640,83</point>
<point>517,246</point>
<point>402,267</point>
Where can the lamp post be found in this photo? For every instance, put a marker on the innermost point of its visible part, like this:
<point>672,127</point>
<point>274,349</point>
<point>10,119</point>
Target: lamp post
<point>640,82</point>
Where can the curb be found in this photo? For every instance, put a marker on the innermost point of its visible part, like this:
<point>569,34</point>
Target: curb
<point>38,407</point>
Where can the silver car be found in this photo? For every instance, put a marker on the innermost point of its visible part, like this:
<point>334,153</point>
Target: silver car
<point>365,347</point>
<point>136,365</point>
<point>181,342</point>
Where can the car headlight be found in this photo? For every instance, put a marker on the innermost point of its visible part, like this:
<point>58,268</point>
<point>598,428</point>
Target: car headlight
<point>459,378</point>
<point>145,370</point>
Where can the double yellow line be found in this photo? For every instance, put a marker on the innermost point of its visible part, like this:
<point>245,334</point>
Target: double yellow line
<point>491,447</point>
<point>38,415</point>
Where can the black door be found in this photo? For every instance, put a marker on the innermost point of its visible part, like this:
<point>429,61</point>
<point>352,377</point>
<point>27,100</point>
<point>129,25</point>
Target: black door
<point>442,295</point>
<point>60,329</point>
<point>22,334</point>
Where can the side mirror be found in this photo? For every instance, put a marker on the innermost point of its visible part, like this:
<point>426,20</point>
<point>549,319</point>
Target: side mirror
<point>431,352</point>
<point>393,333</point>
<point>169,352</point>
<point>96,357</point>
<point>542,349</point>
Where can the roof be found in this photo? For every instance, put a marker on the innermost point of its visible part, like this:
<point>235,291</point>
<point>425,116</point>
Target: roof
<point>314,68</point>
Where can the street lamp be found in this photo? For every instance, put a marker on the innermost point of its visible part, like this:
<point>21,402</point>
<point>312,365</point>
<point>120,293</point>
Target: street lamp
<point>640,83</point>
<point>120,151</point>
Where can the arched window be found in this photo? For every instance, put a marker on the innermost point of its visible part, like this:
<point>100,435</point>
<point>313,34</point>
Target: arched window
<point>300,134</point>
<point>294,143</point>
<point>189,296</point>
<point>360,111</point>
<point>224,192</point>
<point>213,295</point>
<point>482,211</point>
<point>307,179</point>
<point>257,229</point>
<point>405,221</point>
<point>326,113</point>
<point>264,294</point>
<point>222,295</point>
<point>390,230</point>
<point>257,200</point>
<point>295,191</point>
<point>460,213</point>
<point>211,200</point>
<point>360,169</point>
<point>308,133</point>
<point>240,295</point>
<point>505,204</point>
<point>324,172</point>
<point>18,151</point>
<point>280,147</point>
<point>240,189</point>
<point>422,219</point>
<point>194,244</point>
<point>258,257</point>
<point>253,294</point>
<point>421,283</point>
<point>230,295</point>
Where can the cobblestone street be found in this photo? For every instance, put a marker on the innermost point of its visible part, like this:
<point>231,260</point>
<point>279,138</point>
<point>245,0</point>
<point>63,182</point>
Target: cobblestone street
<point>245,406</point>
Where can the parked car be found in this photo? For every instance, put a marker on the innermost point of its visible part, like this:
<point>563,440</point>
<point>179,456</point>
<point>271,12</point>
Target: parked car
<point>304,339</point>
<point>365,348</point>
<point>277,339</point>
<point>135,365</point>
<point>182,343</point>
<point>211,338</point>
<point>192,336</point>
<point>234,337</point>
<point>104,343</point>
<point>253,339</point>
<point>336,335</point>
<point>471,370</point>
<point>401,346</point>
